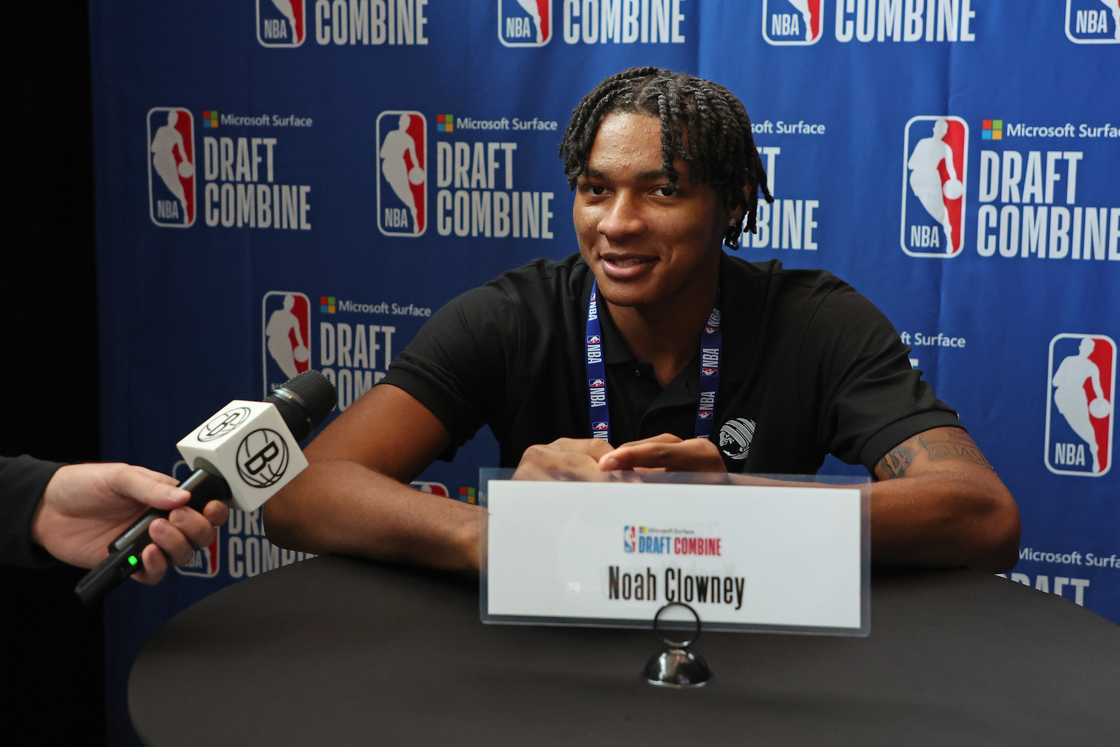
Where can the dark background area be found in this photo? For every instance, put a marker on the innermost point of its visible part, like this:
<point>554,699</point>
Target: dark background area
<point>53,646</point>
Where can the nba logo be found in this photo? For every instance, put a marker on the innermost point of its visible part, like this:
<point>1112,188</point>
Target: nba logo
<point>432,488</point>
<point>402,172</point>
<point>206,561</point>
<point>792,22</point>
<point>286,336</point>
<point>524,23</point>
<point>281,23</point>
<point>171,193</point>
<point>1093,21</point>
<point>934,182</point>
<point>629,538</point>
<point>1080,385</point>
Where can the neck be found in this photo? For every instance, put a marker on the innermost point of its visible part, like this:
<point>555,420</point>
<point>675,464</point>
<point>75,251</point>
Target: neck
<point>666,335</point>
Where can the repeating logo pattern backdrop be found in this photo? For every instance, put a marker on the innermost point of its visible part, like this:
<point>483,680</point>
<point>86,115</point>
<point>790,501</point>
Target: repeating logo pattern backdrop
<point>327,175</point>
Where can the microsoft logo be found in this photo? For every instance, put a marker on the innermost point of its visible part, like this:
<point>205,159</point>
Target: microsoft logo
<point>210,120</point>
<point>328,305</point>
<point>468,495</point>
<point>992,129</point>
<point>445,123</point>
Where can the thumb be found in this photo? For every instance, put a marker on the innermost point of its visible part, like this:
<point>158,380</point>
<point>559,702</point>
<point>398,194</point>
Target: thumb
<point>149,488</point>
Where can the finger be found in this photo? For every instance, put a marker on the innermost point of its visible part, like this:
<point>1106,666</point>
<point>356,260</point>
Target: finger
<point>172,541</point>
<point>147,487</point>
<point>216,512</point>
<point>694,455</point>
<point>197,529</point>
<point>607,462</point>
<point>154,566</point>
<point>157,476</point>
<point>664,438</point>
<point>554,463</point>
<point>639,455</point>
<point>592,447</point>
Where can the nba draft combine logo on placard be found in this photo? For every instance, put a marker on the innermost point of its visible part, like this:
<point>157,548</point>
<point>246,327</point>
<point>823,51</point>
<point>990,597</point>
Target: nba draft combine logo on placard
<point>792,22</point>
<point>934,182</point>
<point>524,23</point>
<point>171,167</point>
<point>1093,21</point>
<point>1080,404</point>
<point>287,336</point>
<point>281,23</point>
<point>402,173</point>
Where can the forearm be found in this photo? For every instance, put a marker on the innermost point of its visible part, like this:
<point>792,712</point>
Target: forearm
<point>944,519</point>
<point>344,508</point>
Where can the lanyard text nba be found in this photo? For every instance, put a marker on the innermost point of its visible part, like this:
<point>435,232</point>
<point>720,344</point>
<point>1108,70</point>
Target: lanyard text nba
<point>711,342</point>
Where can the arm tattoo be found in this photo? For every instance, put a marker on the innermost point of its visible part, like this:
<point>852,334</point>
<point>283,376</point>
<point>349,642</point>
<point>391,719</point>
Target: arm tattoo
<point>956,445</point>
<point>897,461</point>
<point>951,444</point>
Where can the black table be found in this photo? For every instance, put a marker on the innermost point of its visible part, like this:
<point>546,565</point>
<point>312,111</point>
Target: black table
<point>334,651</point>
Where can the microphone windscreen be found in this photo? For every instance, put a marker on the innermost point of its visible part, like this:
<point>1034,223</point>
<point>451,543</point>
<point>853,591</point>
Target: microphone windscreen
<point>304,401</point>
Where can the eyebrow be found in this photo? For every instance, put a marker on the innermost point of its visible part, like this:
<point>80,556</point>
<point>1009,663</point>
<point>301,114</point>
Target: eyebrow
<point>652,175</point>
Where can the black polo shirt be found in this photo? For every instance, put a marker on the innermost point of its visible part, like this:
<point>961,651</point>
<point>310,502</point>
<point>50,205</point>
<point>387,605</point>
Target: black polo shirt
<point>809,367</point>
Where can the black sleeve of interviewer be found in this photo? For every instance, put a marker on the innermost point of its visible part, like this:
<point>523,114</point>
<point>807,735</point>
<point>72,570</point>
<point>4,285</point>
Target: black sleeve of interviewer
<point>22,482</point>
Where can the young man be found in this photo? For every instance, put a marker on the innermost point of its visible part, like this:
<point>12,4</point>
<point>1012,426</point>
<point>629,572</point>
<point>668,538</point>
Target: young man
<point>652,349</point>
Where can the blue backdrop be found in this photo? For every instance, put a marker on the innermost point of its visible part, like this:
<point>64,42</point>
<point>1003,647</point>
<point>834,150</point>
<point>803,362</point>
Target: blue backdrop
<point>294,183</point>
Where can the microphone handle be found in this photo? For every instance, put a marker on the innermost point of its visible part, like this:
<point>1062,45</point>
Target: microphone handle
<point>124,551</point>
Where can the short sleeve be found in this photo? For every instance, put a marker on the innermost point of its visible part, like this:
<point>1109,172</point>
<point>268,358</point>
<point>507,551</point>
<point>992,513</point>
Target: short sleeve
<point>458,364</point>
<point>873,399</point>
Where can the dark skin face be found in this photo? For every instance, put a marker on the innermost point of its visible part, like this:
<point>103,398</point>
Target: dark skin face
<point>653,245</point>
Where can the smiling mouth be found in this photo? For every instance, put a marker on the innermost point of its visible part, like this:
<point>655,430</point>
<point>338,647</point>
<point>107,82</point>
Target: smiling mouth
<point>626,266</point>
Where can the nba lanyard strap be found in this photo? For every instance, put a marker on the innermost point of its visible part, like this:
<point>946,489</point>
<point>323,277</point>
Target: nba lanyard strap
<point>711,342</point>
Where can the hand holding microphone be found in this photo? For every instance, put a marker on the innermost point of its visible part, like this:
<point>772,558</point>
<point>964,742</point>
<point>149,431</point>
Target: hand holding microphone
<point>244,453</point>
<point>85,505</point>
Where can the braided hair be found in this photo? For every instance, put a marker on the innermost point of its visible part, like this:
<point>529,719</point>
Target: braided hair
<point>702,123</point>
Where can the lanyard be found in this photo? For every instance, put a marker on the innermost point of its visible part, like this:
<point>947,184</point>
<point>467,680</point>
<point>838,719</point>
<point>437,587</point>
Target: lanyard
<point>711,342</point>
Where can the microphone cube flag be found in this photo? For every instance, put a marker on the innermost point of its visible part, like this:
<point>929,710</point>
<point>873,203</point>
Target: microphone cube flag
<point>250,447</point>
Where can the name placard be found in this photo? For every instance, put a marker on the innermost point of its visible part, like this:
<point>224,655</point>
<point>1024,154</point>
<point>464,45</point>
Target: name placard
<point>761,558</point>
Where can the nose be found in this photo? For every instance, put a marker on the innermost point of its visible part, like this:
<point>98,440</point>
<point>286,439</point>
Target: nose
<point>622,219</point>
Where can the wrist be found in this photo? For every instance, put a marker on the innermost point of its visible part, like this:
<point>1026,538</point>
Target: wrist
<point>45,511</point>
<point>468,540</point>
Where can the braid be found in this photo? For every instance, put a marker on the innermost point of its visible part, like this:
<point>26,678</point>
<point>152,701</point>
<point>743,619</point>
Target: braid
<point>702,124</point>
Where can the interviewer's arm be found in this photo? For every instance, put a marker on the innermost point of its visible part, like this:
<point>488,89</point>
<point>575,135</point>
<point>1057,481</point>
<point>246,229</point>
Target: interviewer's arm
<point>354,499</point>
<point>939,502</point>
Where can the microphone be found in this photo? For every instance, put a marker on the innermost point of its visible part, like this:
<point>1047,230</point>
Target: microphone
<point>243,454</point>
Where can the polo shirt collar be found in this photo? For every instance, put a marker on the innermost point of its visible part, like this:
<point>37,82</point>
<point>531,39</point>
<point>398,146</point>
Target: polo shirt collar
<point>744,289</point>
